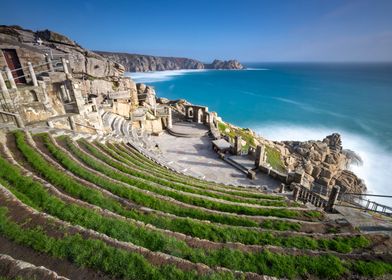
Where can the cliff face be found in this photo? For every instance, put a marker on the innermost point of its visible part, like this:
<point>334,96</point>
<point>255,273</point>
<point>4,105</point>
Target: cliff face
<point>144,63</point>
<point>228,64</point>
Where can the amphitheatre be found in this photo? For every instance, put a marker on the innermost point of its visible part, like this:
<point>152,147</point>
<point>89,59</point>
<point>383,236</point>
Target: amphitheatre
<point>100,179</point>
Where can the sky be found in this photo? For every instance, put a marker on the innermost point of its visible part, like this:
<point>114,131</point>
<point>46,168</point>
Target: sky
<point>248,30</point>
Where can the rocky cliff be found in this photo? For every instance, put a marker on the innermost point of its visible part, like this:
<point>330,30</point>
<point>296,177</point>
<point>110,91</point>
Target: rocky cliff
<point>144,63</point>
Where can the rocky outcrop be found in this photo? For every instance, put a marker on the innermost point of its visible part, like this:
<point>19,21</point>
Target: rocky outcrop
<point>322,162</point>
<point>146,95</point>
<point>229,64</point>
<point>144,63</point>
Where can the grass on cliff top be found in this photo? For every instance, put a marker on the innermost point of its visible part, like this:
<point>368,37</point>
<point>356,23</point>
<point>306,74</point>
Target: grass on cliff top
<point>273,155</point>
<point>274,159</point>
<point>244,133</point>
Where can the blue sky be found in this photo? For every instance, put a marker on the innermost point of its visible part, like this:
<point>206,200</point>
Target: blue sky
<point>249,30</point>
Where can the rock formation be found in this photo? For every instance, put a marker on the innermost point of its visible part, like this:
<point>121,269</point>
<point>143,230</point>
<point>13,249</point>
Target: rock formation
<point>220,64</point>
<point>144,63</point>
<point>323,162</point>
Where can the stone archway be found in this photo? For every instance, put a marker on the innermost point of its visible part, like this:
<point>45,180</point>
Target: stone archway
<point>207,118</point>
<point>190,112</point>
<point>200,115</point>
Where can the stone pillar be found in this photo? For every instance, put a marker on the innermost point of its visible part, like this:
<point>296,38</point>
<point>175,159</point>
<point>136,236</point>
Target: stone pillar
<point>65,66</point>
<point>10,77</point>
<point>100,121</point>
<point>64,94</point>
<point>71,121</point>
<point>19,122</point>
<point>32,74</point>
<point>281,188</point>
<point>77,94</point>
<point>169,118</point>
<point>333,197</point>
<point>3,86</point>
<point>251,174</point>
<point>296,193</point>
<point>298,175</point>
<point>237,144</point>
<point>50,64</point>
<point>259,155</point>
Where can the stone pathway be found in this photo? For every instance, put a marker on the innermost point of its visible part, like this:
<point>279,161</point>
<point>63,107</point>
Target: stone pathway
<point>196,154</point>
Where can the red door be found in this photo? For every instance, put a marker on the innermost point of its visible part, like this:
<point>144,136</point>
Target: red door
<point>13,63</point>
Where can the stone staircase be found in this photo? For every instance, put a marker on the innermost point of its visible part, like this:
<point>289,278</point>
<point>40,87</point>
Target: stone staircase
<point>240,167</point>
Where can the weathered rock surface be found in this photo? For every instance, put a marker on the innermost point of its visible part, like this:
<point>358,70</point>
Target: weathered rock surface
<point>144,63</point>
<point>146,95</point>
<point>220,64</point>
<point>323,162</point>
<point>12,268</point>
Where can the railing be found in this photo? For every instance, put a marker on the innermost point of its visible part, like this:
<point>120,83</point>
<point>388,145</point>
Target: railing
<point>15,118</point>
<point>33,70</point>
<point>358,200</point>
<point>303,194</point>
<point>320,189</point>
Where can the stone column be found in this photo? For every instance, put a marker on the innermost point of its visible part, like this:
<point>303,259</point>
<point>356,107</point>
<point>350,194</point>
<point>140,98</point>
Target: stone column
<point>71,121</point>
<point>50,64</point>
<point>64,94</point>
<point>296,193</point>
<point>251,174</point>
<point>65,66</point>
<point>77,94</point>
<point>281,188</point>
<point>259,155</point>
<point>333,197</point>
<point>10,77</point>
<point>50,124</point>
<point>3,86</point>
<point>298,175</point>
<point>169,118</point>
<point>237,144</point>
<point>19,122</point>
<point>32,74</point>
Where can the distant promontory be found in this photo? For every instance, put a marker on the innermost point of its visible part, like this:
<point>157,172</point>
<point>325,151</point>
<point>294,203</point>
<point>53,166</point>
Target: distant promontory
<point>144,63</point>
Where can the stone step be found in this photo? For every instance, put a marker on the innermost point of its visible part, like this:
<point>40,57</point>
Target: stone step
<point>236,165</point>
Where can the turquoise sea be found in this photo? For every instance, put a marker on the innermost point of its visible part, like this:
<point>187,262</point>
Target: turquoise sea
<point>299,102</point>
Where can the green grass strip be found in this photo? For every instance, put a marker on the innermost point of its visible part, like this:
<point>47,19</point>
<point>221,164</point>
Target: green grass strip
<point>173,183</point>
<point>33,194</point>
<point>248,192</point>
<point>120,263</point>
<point>147,164</point>
<point>214,205</point>
<point>67,183</point>
<point>95,254</point>
<point>122,230</point>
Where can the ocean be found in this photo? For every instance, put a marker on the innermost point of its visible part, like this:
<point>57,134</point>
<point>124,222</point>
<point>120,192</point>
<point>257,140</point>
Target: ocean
<point>300,101</point>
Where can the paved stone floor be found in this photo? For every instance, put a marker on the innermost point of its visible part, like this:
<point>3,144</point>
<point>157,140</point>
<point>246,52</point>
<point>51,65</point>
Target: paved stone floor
<point>196,154</point>
<point>196,129</point>
<point>245,161</point>
<point>366,221</point>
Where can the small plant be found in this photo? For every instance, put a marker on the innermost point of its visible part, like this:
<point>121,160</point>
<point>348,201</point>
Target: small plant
<point>274,159</point>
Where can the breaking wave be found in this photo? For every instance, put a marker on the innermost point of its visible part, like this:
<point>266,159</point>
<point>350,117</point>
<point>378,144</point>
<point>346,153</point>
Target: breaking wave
<point>159,76</point>
<point>376,170</point>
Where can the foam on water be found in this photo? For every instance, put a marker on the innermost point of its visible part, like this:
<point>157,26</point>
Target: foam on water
<point>376,170</point>
<point>159,76</point>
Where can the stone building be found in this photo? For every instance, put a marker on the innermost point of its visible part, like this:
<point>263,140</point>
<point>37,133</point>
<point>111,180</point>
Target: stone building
<point>48,78</point>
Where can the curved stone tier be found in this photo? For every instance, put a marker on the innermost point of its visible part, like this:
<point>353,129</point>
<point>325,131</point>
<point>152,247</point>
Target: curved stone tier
<point>187,129</point>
